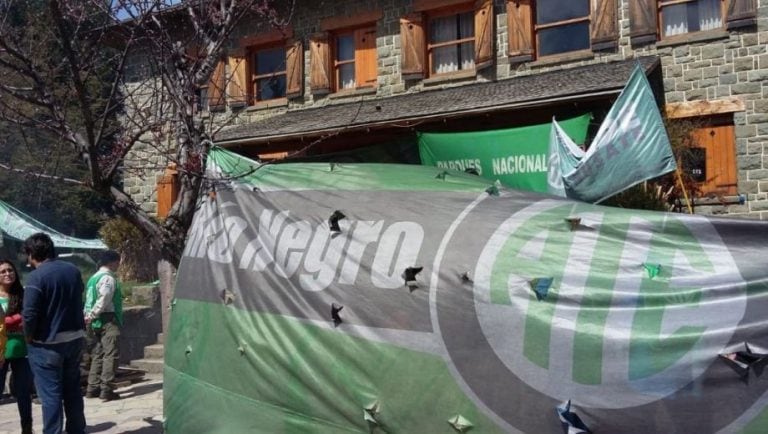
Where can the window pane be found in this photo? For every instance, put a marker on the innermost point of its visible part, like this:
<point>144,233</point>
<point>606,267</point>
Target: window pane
<point>710,15</point>
<point>551,11</point>
<point>563,39</point>
<point>347,76</point>
<point>345,47</point>
<point>270,88</point>
<point>466,25</point>
<point>691,17</point>
<point>443,29</point>
<point>202,98</point>
<point>270,61</point>
<point>453,58</point>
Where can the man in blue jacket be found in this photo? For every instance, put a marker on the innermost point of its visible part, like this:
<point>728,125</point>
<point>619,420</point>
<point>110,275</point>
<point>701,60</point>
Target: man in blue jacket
<point>54,327</point>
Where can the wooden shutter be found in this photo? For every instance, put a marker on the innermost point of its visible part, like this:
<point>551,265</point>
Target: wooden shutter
<point>741,13</point>
<point>319,63</point>
<point>643,18</point>
<point>294,68</point>
<point>520,30</point>
<point>237,86</point>
<point>366,65</point>
<point>217,86</point>
<point>605,25</point>
<point>412,46</point>
<point>483,33</point>
<point>167,191</point>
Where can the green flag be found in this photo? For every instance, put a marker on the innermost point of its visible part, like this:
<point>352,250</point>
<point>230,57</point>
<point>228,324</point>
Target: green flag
<point>630,147</point>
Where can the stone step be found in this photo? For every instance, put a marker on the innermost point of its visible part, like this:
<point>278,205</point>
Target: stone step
<point>151,366</point>
<point>160,338</point>
<point>155,351</point>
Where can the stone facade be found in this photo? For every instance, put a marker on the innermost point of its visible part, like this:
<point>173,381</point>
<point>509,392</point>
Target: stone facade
<point>707,66</point>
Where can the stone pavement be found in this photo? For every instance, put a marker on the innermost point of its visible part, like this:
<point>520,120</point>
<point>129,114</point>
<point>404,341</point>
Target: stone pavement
<point>140,411</point>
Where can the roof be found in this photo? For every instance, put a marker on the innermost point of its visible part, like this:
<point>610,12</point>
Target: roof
<point>518,92</point>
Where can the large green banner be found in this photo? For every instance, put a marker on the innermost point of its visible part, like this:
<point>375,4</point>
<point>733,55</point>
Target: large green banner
<point>517,157</point>
<point>316,298</point>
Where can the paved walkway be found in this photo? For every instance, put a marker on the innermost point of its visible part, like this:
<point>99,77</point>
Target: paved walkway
<point>140,411</point>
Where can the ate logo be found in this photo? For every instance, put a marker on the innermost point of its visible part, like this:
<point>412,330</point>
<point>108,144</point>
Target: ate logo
<point>608,331</point>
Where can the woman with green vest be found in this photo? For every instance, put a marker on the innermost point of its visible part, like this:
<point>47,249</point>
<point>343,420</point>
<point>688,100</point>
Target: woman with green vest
<point>103,319</point>
<point>11,297</point>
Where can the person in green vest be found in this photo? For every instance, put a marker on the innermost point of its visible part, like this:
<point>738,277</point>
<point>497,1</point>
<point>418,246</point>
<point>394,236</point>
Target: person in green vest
<point>15,352</point>
<point>103,318</point>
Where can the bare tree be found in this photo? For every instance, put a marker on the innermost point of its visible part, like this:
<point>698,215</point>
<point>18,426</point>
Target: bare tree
<point>107,77</point>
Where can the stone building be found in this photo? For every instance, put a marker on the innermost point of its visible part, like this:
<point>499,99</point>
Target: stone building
<point>357,80</point>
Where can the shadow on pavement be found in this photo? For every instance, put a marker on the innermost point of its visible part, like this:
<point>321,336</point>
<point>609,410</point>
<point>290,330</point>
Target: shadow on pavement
<point>155,427</point>
<point>99,427</point>
<point>141,389</point>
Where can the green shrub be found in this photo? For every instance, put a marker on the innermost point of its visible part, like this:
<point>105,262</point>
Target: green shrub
<point>139,258</point>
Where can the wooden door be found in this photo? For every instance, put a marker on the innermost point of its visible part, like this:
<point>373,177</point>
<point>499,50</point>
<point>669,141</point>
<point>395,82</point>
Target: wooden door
<point>718,142</point>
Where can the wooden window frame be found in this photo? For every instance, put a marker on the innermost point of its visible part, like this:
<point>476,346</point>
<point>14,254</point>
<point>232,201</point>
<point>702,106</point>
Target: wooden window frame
<point>335,64</point>
<point>253,78</point>
<point>429,46</point>
<point>535,27</point>
<point>661,4</point>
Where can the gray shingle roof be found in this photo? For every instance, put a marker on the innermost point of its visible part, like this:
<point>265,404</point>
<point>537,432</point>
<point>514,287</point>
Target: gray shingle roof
<point>478,97</point>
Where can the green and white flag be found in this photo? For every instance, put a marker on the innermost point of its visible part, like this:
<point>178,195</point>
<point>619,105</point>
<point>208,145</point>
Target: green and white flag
<point>630,147</point>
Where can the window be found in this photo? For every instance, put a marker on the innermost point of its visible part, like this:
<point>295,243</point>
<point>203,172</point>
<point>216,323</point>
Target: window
<point>201,96</point>
<point>451,45</point>
<point>688,16</point>
<point>650,18</point>
<point>355,61</point>
<point>562,26</point>
<point>268,74</point>
<point>342,56</point>
<point>446,36</point>
<point>266,67</point>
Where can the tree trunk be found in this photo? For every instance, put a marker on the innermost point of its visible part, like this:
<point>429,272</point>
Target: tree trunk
<point>166,272</point>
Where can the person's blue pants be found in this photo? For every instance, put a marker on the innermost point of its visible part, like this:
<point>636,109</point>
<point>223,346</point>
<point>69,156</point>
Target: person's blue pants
<point>21,382</point>
<point>57,376</point>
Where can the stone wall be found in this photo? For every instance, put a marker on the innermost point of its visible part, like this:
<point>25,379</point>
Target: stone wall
<point>723,64</point>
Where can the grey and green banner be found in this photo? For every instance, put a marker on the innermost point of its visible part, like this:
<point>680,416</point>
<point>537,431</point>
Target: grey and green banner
<point>644,321</point>
<point>516,157</point>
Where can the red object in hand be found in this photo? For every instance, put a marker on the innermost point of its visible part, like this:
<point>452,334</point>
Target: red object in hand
<point>13,322</point>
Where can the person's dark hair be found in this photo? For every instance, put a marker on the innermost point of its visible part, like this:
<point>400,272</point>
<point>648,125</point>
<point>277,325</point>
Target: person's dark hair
<point>16,292</point>
<point>108,257</point>
<point>40,247</point>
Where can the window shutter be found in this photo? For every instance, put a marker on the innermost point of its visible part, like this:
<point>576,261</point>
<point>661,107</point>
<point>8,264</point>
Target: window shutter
<point>605,29</point>
<point>216,86</point>
<point>412,46</point>
<point>294,68</point>
<point>237,88</point>
<point>483,33</point>
<point>366,66</point>
<point>520,30</point>
<point>642,21</point>
<point>319,63</point>
<point>741,13</point>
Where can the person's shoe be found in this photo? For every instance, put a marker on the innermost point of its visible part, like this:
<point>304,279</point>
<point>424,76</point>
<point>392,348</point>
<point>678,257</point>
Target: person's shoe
<point>109,396</point>
<point>90,394</point>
